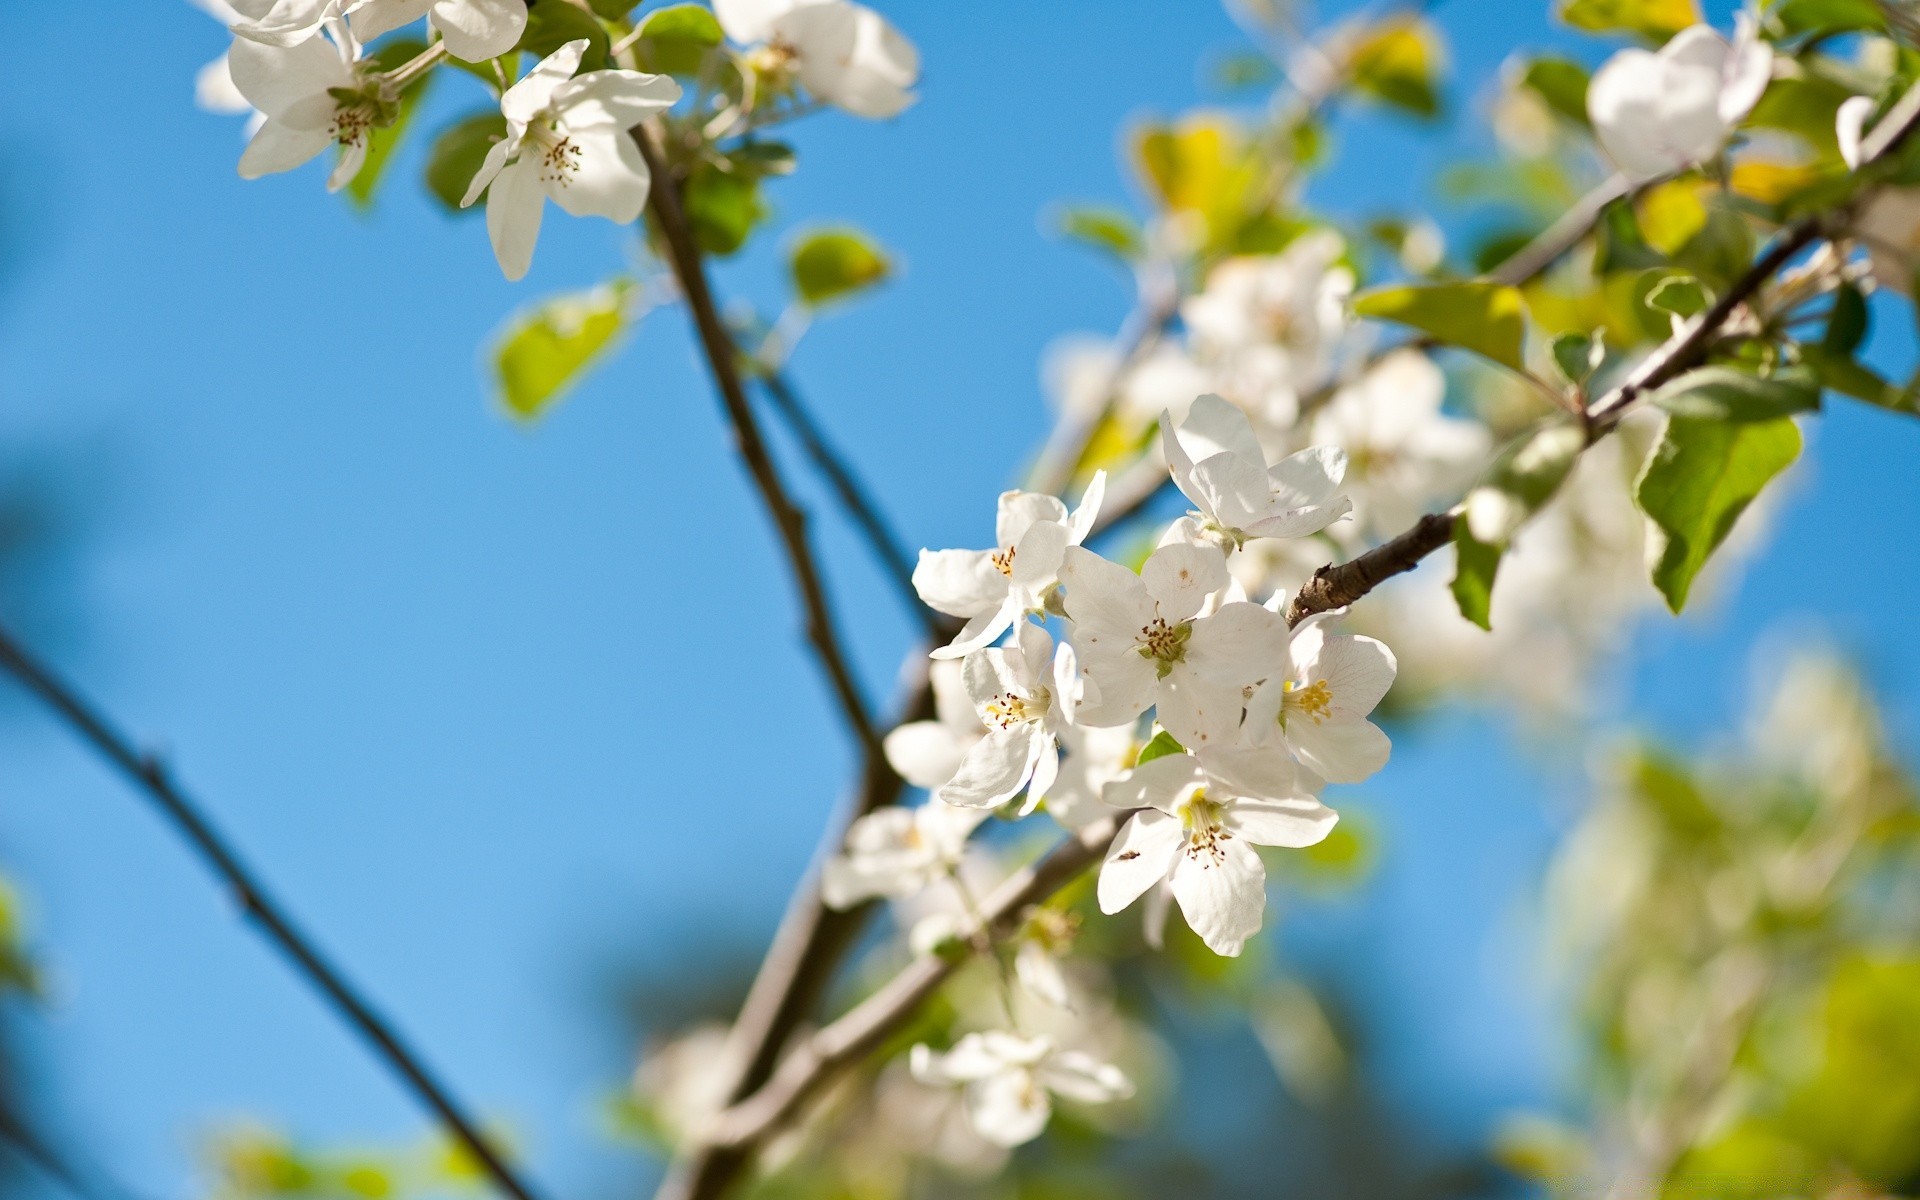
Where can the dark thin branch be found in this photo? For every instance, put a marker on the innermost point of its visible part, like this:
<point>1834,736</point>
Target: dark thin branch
<point>723,361</point>
<point>150,776</point>
<point>860,507</point>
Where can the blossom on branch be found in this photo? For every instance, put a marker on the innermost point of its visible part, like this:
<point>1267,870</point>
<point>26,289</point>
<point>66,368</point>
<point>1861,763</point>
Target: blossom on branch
<point>1317,706</point>
<point>1010,1081</point>
<point>898,852</point>
<point>1217,463</point>
<point>844,54</point>
<point>312,97</point>
<point>474,30</point>
<point>1024,695</point>
<point>1657,112</point>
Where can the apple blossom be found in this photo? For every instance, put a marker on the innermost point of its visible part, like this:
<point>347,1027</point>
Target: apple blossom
<point>1218,464</point>
<point>1657,112</point>
<point>312,96</point>
<point>1403,452</point>
<point>1200,817</point>
<point>927,753</point>
<point>474,30</point>
<point>844,54</point>
<point>1143,643</point>
<point>1008,1079</point>
<point>897,852</point>
<point>1271,325</point>
<point>990,589</point>
<point>567,138</point>
<point>1024,694</point>
<point>1094,756</point>
<point>288,22</point>
<point>1317,705</point>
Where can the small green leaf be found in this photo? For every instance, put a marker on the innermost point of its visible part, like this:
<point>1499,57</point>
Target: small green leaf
<point>833,264</point>
<point>1579,355</point>
<point>1562,84</point>
<point>1847,323</point>
<point>1475,564</point>
<point>675,40</point>
<point>1479,315</point>
<point>1163,744</point>
<point>1829,16</point>
<point>457,154</point>
<point>1657,20</point>
<point>545,350</point>
<point>1724,394</point>
<point>1696,484</point>
<point>1105,229</point>
<point>760,159</point>
<point>551,26</point>
<point>723,207</point>
<point>1398,64</point>
<point>1679,294</point>
<point>1528,471</point>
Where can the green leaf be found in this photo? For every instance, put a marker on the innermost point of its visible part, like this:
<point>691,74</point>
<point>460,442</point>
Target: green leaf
<point>1724,394</point>
<point>723,207</point>
<point>832,264</point>
<point>611,10</point>
<point>1579,355</point>
<point>1696,484</point>
<point>675,40</point>
<point>457,154</point>
<point>1680,294</point>
<point>1479,315</point>
<point>1475,564</point>
<point>1657,20</point>
<point>1847,323</point>
<point>1397,63</point>
<point>545,350</point>
<point>1829,16</point>
<point>1528,471</point>
<point>1163,744</point>
<point>761,159</point>
<point>1562,84</point>
<point>1843,374</point>
<point>1106,229</point>
<point>551,26</point>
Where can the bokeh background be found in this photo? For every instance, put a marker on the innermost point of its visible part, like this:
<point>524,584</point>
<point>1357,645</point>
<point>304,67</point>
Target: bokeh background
<point>519,720</point>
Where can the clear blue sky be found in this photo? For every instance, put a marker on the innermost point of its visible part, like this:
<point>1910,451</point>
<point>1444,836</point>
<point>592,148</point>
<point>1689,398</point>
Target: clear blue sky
<point>460,687</point>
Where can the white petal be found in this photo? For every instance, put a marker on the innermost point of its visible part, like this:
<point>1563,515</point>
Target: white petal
<point>534,90</point>
<point>491,166</point>
<point>994,769</point>
<point>352,158</point>
<point>1107,603</point>
<point>1358,670</point>
<point>275,79</point>
<point>1238,644</point>
<point>959,583</point>
<point>1159,783</point>
<point>1250,772</point>
<point>1180,578</point>
<point>276,147</point>
<point>1116,687</point>
<point>1198,711</point>
<point>850,57</point>
<point>1141,856</point>
<point>214,90</point>
<point>1300,522</point>
<point>1084,1078</point>
<point>476,30</point>
<point>1036,558</point>
<point>1021,511</point>
<point>377,17</point>
<point>1224,900</point>
<point>1748,69</point>
<point>1008,1109</point>
<point>924,753</point>
<point>1350,750</point>
<point>608,177</point>
<point>1085,513</point>
<point>621,99</point>
<point>1849,126</point>
<point>1214,426</point>
<point>1309,477</point>
<point>514,207</point>
<point>749,21</point>
<point>1292,824</point>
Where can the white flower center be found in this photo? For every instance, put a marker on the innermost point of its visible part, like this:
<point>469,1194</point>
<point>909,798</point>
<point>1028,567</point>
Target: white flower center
<point>558,154</point>
<point>1165,644</point>
<point>1008,709</point>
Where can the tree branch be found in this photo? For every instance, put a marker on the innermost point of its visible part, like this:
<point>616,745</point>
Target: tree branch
<point>723,361</point>
<point>150,775</point>
<point>819,1059</point>
<point>860,507</point>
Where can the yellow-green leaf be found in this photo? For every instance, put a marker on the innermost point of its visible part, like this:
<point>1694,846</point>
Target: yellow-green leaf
<point>832,264</point>
<point>1475,565</point>
<point>1696,484</point>
<point>1479,315</point>
<point>545,350</point>
<point>1656,20</point>
<point>1398,63</point>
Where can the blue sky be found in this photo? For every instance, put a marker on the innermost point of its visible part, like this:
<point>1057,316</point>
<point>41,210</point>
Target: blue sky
<point>503,710</point>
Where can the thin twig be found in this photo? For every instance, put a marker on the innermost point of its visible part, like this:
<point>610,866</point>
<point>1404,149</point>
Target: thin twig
<point>860,507</point>
<point>819,1059</point>
<point>150,775</point>
<point>723,361</point>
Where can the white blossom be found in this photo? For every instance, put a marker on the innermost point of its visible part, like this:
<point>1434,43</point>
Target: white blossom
<point>1273,324</point>
<point>990,589</point>
<point>297,88</point>
<point>1024,694</point>
<point>897,852</point>
<point>927,753</point>
<point>1200,817</point>
<point>1317,706</point>
<point>474,30</point>
<point>1218,464</point>
<point>286,23</point>
<point>566,139</point>
<point>1404,454</point>
<point>844,54</point>
<point>1095,755</point>
<point>1657,112</point>
<point>1010,1081</point>
<point>1143,643</point>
